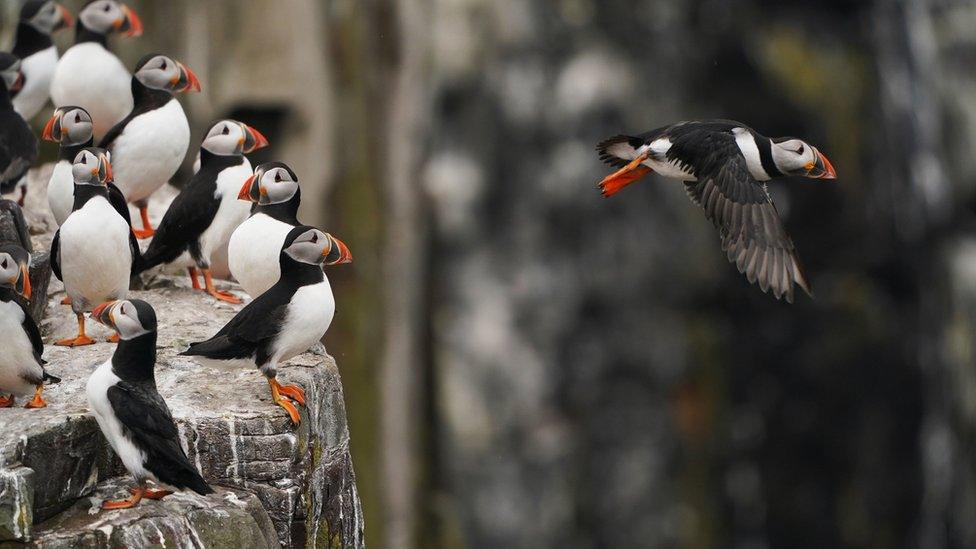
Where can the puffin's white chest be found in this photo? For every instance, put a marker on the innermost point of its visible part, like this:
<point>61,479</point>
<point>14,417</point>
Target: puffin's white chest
<point>16,352</point>
<point>750,151</point>
<point>252,254</point>
<point>232,211</point>
<point>150,150</point>
<point>90,76</point>
<point>61,191</point>
<point>38,72</point>
<point>95,258</point>
<point>310,313</point>
<point>97,388</point>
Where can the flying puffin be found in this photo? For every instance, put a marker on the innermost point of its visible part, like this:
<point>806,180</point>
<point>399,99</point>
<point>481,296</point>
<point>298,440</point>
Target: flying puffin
<point>252,253</point>
<point>130,411</point>
<point>21,365</point>
<point>90,75</point>
<point>18,145</point>
<point>725,166</point>
<point>94,251</point>
<point>201,219</point>
<point>37,52</point>
<point>286,320</point>
<point>149,144</point>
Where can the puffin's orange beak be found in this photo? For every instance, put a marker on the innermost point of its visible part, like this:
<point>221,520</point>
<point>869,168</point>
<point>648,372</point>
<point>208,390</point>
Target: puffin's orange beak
<point>67,21</point>
<point>48,134</point>
<point>613,183</point>
<point>254,139</point>
<point>245,193</point>
<point>99,313</point>
<point>25,282</point>
<point>192,82</point>
<point>130,25</point>
<point>338,253</point>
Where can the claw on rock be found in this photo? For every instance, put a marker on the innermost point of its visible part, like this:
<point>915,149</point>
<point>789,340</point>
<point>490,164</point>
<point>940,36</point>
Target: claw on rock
<point>38,400</point>
<point>7,401</point>
<point>276,395</point>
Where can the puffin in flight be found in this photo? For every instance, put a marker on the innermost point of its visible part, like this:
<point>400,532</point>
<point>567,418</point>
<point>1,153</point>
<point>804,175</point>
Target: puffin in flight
<point>18,145</point>
<point>130,411</point>
<point>90,75</point>
<point>94,251</point>
<point>286,320</point>
<point>39,19</point>
<point>202,217</point>
<point>149,144</point>
<point>252,253</point>
<point>725,166</point>
<point>21,365</point>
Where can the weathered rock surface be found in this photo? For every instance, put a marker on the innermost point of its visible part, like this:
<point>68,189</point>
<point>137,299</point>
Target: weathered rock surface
<point>14,230</point>
<point>53,460</point>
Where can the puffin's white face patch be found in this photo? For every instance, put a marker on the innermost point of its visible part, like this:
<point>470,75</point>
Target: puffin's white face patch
<point>278,186</point>
<point>159,73</point>
<point>9,270</point>
<point>46,18</point>
<point>793,155</point>
<point>126,320</point>
<point>100,16</point>
<point>11,73</point>
<point>225,138</point>
<point>77,125</point>
<point>310,247</point>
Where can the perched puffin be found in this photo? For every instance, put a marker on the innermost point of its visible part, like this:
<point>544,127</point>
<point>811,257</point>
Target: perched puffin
<point>37,52</point>
<point>130,411</point>
<point>200,220</point>
<point>90,75</point>
<point>21,365</point>
<point>252,253</point>
<point>18,145</point>
<point>94,252</point>
<point>725,166</point>
<point>149,144</point>
<point>286,320</point>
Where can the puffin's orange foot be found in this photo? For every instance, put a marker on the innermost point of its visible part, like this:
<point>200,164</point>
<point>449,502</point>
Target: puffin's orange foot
<point>225,296</point>
<point>293,392</point>
<point>143,234</point>
<point>137,494</point>
<point>75,342</point>
<point>7,401</point>
<point>151,494</point>
<point>66,300</point>
<point>114,338</point>
<point>38,400</point>
<point>192,271</point>
<point>296,418</point>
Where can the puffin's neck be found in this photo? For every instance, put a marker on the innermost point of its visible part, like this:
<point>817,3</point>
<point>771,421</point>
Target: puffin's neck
<point>296,274</point>
<point>765,146</point>
<point>84,34</point>
<point>146,98</point>
<point>135,359</point>
<point>220,161</point>
<point>5,103</point>
<point>7,294</point>
<point>84,193</point>
<point>286,212</point>
<point>68,152</point>
<point>29,40</point>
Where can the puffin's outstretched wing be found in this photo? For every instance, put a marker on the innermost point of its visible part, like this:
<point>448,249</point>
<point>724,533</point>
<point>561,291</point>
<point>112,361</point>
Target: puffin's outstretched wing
<point>740,208</point>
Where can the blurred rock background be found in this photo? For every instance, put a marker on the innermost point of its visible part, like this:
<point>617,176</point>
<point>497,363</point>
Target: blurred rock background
<point>529,365</point>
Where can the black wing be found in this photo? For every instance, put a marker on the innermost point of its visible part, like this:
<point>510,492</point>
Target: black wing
<point>188,216</point>
<point>251,328</point>
<point>739,206</point>
<point>117,199</point>
<point>144,413</point>
<point>56,254</point>
<point>18,149</point>
<point>33,333</point>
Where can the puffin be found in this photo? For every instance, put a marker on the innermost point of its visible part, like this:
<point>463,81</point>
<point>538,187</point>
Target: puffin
<point>286,320</point>
<point>89,74</point>
<point>149,144</point>
<point>18,145</point>
<point>131,413</point>
<point>725,166</point>
<point>252,253</point>
<point>21,366</point>
<point>94,252</point>
<point>70,127</point>
<point>202,217</point>
<point>39,19</point>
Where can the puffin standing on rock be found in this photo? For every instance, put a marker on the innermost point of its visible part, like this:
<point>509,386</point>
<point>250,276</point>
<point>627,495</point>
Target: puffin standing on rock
<point>252,253</point>
<point>149,144</point>
<point>94,252</point>
<point>286,320</point>
<point>725,166</point>
<point>21,347</point>
<point>202,217</point>
<point>39,19</point>
<point>18,146</point>
<point>90,75</point>
<point>130,411</point>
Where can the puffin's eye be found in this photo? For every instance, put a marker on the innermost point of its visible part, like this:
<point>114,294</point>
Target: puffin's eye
<point>226,130</point>
<point>800,150</point>
<point>278,177</point>
<point>315,238</point>
<point>4,264</point>
<point>108,7</point>
<point>77,118</point>
<point>163,66</point>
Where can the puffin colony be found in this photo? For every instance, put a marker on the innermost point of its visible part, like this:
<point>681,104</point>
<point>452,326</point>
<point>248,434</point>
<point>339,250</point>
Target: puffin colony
<point>124,135</point>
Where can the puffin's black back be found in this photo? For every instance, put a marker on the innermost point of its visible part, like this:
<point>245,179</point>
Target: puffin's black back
<point>18,144</point>
<point>29,40</point>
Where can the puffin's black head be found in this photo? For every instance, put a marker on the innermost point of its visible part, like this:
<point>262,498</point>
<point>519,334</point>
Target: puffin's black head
<point>309,245</point>
<point>794,156</point>
<point>131,318</point>
<point>106,16</point>
<point>15,269</point>
<point>272,183</point>
<point>69,125</point>
<point>47,16</point>
<point>230,137</point>
<point>160,72</point>
<point>10,72</point>
<point>91,166</point>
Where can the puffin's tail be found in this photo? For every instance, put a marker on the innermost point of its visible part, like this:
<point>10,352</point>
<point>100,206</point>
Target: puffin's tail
<point>155,256</point>
<point>51,379</point>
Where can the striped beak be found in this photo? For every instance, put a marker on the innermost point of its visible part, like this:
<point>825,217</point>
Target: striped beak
<point>52,130</point>
<point>23,283</point>
<point>821,168</point>
<point>251,190</point>
<point>65,20</point>
<point>186,82</point>
<point>338,253</point>
<point>129,25</point>
<point>253,139</point>
<point>103,314</point>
